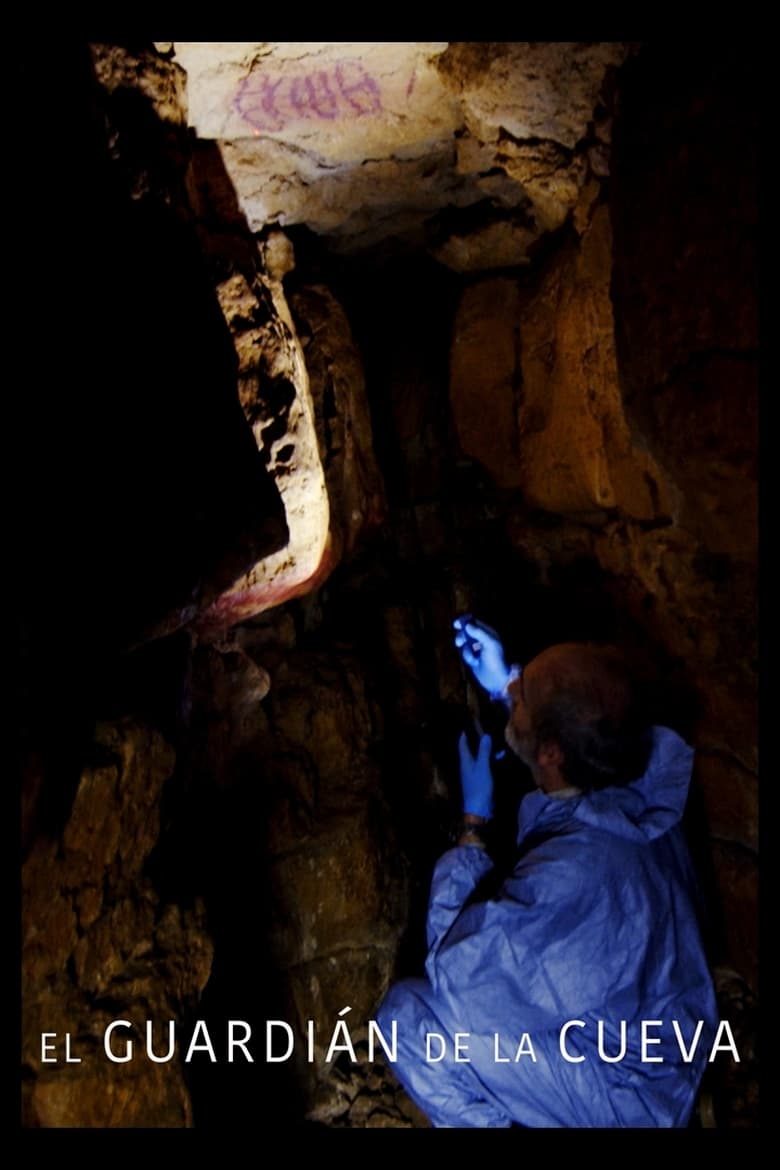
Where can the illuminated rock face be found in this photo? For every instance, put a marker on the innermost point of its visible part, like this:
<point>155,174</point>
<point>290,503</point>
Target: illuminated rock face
<point>342,417</point>
<point>359,140</point>
<point>308,412</point>
<point>338,101</point>
<point>275,396</point>
<point>362,140</point>
<point>593,430</point>
<point>545,413</point>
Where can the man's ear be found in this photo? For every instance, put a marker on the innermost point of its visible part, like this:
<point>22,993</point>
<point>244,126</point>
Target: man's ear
<point>550,754</point>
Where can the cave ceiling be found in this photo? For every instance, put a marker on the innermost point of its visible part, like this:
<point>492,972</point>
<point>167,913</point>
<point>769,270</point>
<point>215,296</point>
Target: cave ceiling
<point>471,151</point>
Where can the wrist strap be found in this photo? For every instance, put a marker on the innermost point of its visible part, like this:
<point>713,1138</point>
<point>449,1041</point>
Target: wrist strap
<point>483,832</point>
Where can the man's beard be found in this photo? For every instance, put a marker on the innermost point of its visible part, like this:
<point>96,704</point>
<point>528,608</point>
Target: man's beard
<point>523,744</point>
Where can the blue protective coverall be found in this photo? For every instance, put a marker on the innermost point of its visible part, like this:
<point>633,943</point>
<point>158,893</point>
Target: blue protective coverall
<point>597,922</point>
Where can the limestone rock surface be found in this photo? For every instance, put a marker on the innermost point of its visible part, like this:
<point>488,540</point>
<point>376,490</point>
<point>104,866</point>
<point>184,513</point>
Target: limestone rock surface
<point>545,413</point>
<point>98,945</point>
<point>474,150</point>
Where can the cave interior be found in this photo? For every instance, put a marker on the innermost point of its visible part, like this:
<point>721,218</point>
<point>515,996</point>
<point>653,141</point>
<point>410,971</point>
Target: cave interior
<point>344,340</point>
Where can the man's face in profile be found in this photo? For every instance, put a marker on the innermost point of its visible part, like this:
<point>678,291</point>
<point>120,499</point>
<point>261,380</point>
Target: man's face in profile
<point>558,668</point>
<point>593,682</point>
<point>518,734</point>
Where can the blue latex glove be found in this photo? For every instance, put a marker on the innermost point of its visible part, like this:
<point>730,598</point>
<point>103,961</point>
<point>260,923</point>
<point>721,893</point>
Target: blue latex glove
<point>480,648</point>
<point>476,779</point>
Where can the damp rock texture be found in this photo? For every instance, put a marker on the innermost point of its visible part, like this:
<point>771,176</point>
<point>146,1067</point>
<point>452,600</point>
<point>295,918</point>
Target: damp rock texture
<point>276,400</point>
<point>376,334</point>
<point>472,150</point>
<point>342,418</point>
<point>174,480</point>
<point>621,398</point>
<point>691,389</point>
<point>305,856</point>
<point>302,389</point>
<point>545,414</point>
<point>294,436</point>
<point>98,945</point>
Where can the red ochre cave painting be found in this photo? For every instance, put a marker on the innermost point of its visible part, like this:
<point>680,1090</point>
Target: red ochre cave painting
<point>270,101</point>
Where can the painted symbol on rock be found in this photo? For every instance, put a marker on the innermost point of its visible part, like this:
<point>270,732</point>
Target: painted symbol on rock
<point>270,101</point>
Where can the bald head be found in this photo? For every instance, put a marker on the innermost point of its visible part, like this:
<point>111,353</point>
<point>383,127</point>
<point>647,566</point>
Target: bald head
<point>594,679</point>
<point>580,697</point>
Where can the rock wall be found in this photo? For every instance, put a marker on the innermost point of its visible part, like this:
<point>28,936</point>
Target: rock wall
<point>137,523</point>
<point>623,398</point>
<point>302,389</point>
<point>99,945</point>
<point>471,150</point>
<point>545,415</point>
<point>687,335</point>
<point>244,825</point>
<point>286,798</point>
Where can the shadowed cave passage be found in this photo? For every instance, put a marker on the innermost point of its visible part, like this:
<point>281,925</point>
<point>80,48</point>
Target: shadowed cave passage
<point>554,429</point>
<point>386,615</point>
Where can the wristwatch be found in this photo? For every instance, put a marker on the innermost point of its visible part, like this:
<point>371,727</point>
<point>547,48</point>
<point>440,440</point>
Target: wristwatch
<point>471,833</point>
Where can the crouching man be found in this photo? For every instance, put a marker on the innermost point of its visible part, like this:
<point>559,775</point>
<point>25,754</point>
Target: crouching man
<point>580,994</point>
